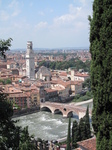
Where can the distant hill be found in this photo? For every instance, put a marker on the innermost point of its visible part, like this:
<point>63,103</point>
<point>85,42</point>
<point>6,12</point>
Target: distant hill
<point>61,48</point>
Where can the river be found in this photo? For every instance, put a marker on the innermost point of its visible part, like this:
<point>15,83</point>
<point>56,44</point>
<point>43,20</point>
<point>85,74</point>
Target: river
<point>45,125</point>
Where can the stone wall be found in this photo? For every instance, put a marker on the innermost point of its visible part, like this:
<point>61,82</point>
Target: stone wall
<point>26,111</point>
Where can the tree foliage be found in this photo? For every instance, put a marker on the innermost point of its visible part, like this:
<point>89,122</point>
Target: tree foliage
<point>87,124</point>
<point>11,136</point>
<point>101,69</point>
<point>75,134</point>
<point>7,81</point>
<point>81,131</point>
<point>82,128</point>
<point>69,136</point>
<point>80,98</point>
<point>25,140</point>
<point>87,84</point>
<point>4,46</point>
<point>110,141</point>
<point>76,64</point>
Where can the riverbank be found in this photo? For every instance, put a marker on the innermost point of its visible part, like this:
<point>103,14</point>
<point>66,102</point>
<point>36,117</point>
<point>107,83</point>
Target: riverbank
<point>26,111</point>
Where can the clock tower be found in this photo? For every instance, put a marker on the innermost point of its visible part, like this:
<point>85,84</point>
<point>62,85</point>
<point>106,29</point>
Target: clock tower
<point>30,67</point>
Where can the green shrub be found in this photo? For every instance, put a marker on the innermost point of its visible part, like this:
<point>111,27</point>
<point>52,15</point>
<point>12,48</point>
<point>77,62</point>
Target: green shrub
<point>80,98</point>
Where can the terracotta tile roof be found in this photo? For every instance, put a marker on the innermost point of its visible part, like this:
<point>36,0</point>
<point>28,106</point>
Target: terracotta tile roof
<point>81,75</point>
<point>26,84</point>
<point>17,76</point>
<point>10,62</point>
<point>63,74</point>
<point>63,146</point>
<point>8,85</point>
<point>33,87</point>
<point>25,89</point>
<point>4,77</point>
<point>10,89</point>
<point>35,92</point>
<point>4,70</point>
<point>48,90</point>
<point>58,81</point>
<point>28,94</point>
<point>76,82</point>
<point>89,144</point>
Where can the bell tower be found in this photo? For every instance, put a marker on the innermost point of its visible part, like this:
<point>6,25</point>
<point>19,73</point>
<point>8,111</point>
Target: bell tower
<point>30,67</point>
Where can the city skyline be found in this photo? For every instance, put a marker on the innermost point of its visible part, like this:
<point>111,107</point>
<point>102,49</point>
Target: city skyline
<point>48,24</point>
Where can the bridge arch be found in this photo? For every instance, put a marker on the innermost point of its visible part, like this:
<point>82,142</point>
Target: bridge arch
<point>58,111</point>
<point>70,114</point>
<point>46,108</point>
<point>73,113</point>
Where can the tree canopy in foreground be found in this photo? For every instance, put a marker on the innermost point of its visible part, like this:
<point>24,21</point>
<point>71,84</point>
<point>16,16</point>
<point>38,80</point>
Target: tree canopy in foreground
<point>101,71</point>
<point>11,136</point>
<point>4,46</point>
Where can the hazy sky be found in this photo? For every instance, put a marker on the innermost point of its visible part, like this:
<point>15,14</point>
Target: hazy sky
<point>47,23</point>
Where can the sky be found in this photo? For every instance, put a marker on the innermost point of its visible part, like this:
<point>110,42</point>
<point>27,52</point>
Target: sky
<point>47,23</point>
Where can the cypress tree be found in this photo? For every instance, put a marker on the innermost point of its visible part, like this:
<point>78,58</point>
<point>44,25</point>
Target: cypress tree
<point>101,69</point>
<point>69,136</point>
<point>110,142</point>
<point>87,124</point>
<point>82,129</point>
<point>75,134</point>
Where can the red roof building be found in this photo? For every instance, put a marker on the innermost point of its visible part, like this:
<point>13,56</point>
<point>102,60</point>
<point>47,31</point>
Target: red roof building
<point>89,144</point>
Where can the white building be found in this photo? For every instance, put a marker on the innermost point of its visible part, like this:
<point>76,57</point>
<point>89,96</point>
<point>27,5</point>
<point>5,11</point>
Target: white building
<point>30,72</point>
<point>77,76</point>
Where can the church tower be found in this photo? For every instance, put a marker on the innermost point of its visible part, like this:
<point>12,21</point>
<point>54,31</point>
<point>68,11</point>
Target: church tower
<point>30,72</point>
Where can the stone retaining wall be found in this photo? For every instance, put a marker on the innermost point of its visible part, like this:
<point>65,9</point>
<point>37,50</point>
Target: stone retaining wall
<point>26,111</point>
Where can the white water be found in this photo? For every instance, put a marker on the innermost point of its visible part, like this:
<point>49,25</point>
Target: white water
<point>45,125</point>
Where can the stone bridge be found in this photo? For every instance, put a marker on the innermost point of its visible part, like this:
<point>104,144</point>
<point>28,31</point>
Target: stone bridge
<point>66,109</point>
